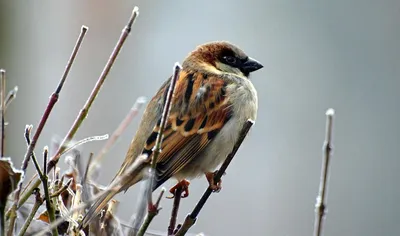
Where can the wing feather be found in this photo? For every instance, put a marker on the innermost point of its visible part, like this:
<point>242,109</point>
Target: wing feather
<point>199,110</point>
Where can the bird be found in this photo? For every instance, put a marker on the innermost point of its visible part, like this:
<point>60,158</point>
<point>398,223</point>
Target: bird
<point>213,99</point>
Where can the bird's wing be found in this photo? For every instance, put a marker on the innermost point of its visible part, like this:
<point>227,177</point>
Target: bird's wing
<point>199,110</point>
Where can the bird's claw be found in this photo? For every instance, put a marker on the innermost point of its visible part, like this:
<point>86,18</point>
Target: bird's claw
<point>182,186</point>
<point>215,187</point>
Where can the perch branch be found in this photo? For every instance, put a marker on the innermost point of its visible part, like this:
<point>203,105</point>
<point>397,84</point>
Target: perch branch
<point>320,204</point>
<point>53,100</point>
<point>175,209</point>
<point>191,218</point>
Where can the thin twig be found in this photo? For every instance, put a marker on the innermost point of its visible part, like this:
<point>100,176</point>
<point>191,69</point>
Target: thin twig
<point>175,209</point>
<point>10,97</point>
<point>53,100</point>
<point>49,204</point>
<point>3,106</point>
<point>37,204</point>
<point>84,111</point>
<point>114,187</point>
<point>320,204</point>
<point>25,162</point>
<point>191,218</point>
<point>152,210</point>
<point>61,190</point>
<point>121,128</point>
<point>151,214</point>
<point>165,114</point>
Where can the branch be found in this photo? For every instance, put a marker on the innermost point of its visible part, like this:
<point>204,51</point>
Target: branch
<point>10,97</point>
<point>152,209</point>
<point>114,187</point>
<point>320,205</point>
<point>37,204</point>
<point>44,178</point>
<point>152,212</point>
<point>14,207</point>
<point>84,111</point>
<point>53,100</point>
<point>2,108</point>
<point>191,218</point>
<point>175,208</point>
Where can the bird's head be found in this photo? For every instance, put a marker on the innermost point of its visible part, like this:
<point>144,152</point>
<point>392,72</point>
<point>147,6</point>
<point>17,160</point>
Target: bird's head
<point>222,57</point>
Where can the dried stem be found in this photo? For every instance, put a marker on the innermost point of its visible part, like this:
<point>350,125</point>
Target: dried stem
<point>84,111</point>
<point>137,165</point>
<point>49,204</point>
<point>3,106</point>
<point>25,162</point>
<point>175,209</point>
<point>191,218</point>
<point>10,97</point>
<point>152,209</point>
<point>165,114</point>
<point>61,190</point>
<point>320,205</point>
<point>152,212</point>
<point>53,100</point>
<point>37,204</point>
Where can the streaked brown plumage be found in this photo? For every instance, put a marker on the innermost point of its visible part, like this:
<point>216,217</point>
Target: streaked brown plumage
<point>213,98</point>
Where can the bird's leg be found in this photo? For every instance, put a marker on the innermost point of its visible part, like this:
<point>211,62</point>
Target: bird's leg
<point>184,185</point>
<point>216,187</point>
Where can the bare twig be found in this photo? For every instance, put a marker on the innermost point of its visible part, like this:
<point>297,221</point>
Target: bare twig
<point>175,209</point>
<point>121,128</point>
<point>61,190</point>
<point>10,97</point>
<point>25,162</point>
<point>53,100</point>
<point>3,107</point>
<point>85,140</point>
<point>151,208</point>
<point>75,203</point>
<point>165,114</point>
<point>37,204</point>
<point>191,218</point>
<point>84,111</point>
<point>152,212</point>
<point>320,205</point>
<point>44,178</point>
<point>137,165</point>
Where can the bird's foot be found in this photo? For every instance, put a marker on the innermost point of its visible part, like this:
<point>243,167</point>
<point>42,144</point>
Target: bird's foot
<point>182,187</point>
<point>215,187</point>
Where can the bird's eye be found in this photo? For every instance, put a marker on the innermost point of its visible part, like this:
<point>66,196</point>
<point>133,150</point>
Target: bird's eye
<point>230,60</point>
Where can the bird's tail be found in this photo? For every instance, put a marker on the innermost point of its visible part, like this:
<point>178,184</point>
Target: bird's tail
<point>97,206</point>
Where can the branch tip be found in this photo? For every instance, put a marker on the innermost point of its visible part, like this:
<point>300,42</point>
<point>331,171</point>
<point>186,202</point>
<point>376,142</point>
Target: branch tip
<point>330,112</point>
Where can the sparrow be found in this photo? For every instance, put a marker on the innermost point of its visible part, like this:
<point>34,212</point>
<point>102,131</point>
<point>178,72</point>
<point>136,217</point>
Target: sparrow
<point>213,99</point>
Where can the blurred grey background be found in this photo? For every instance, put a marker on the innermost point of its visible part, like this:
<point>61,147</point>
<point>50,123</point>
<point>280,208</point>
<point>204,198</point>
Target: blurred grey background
<point>317,55</point>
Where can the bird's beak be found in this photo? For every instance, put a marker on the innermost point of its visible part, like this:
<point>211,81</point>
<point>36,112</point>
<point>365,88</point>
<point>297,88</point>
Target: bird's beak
<point>251,65</point>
